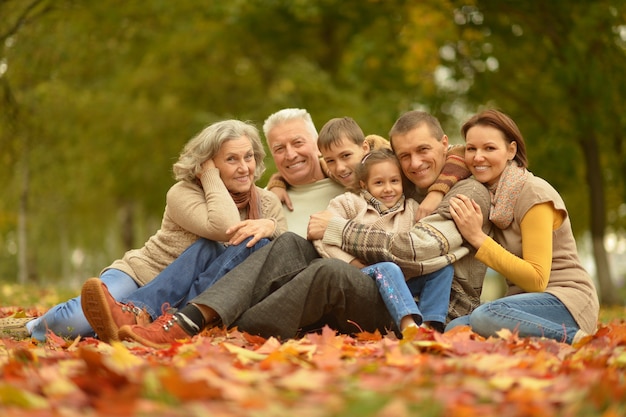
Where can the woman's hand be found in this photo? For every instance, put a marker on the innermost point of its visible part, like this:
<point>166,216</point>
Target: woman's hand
<point>257,229</point>
<point>468,217</point>
<point>318,224</point>
<point>206,165</point>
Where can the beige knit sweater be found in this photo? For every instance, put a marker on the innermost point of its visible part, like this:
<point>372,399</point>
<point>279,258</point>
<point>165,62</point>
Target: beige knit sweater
<point>351,206</point>
<point>192,212</point>
<point>569,281</point>
<point>428,246</point>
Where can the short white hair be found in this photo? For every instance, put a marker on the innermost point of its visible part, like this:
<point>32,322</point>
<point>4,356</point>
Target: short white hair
<point>286,115</point>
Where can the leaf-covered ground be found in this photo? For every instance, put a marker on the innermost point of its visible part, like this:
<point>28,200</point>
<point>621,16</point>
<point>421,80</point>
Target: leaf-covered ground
<point>223,373</point>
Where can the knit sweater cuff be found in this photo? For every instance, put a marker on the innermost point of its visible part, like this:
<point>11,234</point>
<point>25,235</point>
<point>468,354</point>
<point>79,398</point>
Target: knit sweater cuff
<point>211,177</point>
<point>334,231</point>
<point>453,171</point>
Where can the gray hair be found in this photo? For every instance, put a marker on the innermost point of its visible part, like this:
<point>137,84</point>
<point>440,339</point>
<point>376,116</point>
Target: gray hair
<point>206,144</point>
<point>286,115</point>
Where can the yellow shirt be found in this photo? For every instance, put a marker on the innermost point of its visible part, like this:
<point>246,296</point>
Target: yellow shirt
<point>531,272</point>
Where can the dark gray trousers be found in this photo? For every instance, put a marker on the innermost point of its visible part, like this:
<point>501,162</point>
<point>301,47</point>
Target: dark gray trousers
<point>285,288</point>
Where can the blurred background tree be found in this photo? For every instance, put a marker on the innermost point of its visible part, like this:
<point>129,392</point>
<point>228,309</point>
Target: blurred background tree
<point>98,99</point>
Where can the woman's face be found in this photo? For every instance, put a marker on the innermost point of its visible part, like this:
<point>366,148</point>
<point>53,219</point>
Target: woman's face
<point>384,182</point>
<point>236,163</point>
<point>487,153</point>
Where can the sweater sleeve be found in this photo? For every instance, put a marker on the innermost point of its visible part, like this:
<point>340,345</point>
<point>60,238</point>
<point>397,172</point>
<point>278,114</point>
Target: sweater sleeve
<point>431,244</point>
<point>453,171</point>
<point>532,272</point>
<point>206,211</point>
<point>271,208</point>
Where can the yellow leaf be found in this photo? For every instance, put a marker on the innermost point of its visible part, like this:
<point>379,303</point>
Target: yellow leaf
<point>10,395</point>
<point>506,382</point>
<point>120,359</point>
<point>620,360</point>
<point>244,356</point>
<point>305,380</point>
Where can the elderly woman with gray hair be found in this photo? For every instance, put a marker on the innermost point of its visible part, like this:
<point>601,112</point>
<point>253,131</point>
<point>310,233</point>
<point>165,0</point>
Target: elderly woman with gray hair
<point>214,206</point>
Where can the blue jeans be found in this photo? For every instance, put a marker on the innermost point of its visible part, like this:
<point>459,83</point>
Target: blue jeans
<point>67,319</point>
<point>536,314</point>
<point>195,270</point>
<point>398,294</point>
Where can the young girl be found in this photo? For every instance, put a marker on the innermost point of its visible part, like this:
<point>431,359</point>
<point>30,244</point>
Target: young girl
<point>381,200</point>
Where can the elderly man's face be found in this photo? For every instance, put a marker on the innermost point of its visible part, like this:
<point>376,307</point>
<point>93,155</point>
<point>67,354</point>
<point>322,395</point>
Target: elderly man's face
<point>295,152</point>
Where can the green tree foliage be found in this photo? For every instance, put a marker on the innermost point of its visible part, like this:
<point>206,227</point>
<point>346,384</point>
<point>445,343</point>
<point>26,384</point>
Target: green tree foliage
<point>103,95</point>
<point>558,69</point>
<point>109,92</point>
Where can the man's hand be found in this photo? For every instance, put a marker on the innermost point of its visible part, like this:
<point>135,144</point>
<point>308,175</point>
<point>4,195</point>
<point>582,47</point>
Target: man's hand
<point>318,224</point>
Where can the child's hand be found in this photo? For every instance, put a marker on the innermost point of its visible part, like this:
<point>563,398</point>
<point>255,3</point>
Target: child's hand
<point>358,263</point>
<point>278,186</point>
<point>430,203</point>
<point>282,195</point>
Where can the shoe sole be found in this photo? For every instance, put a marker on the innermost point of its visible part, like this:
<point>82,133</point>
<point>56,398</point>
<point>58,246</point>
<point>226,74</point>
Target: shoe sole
<point>126,333</point>
<point>97,312</point>
<point>15,327</point>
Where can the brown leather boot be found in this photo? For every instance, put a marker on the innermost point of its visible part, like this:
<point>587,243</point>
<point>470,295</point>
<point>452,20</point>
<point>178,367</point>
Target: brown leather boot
<point>104,314</point>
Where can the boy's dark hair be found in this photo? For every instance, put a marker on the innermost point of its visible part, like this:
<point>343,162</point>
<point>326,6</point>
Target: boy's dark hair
<point>333,131</point>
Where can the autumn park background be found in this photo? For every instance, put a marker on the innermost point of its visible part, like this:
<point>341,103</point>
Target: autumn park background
<point>97,99</point>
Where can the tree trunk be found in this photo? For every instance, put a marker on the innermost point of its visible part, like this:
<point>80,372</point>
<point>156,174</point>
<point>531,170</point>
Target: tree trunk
<point>22,224</point>
<point>607,291</point>
<point>127,220</point>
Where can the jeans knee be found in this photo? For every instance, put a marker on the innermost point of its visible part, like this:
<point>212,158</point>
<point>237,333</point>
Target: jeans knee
<point>487,318</point>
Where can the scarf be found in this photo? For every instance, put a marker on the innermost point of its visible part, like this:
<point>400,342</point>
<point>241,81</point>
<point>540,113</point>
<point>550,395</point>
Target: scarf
<point>504,194</point>
<point>379,206</point>
<point>249,200</point>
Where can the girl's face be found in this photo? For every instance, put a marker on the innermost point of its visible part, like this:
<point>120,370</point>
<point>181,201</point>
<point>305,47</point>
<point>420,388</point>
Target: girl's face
<point>487,153</point>
<point>236,163</point>
<point>384,182</point>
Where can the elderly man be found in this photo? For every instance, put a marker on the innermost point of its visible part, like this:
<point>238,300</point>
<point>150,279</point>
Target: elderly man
<point>285,288</point>
<point>292,140</point>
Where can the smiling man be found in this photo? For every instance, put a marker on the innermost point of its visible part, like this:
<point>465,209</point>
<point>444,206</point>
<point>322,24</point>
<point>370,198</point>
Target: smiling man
<point>292,140</point>
<point>285,288</point>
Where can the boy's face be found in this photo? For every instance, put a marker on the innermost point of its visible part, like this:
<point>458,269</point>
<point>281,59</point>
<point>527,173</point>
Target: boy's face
<point>342,159</point>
